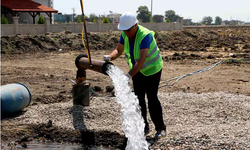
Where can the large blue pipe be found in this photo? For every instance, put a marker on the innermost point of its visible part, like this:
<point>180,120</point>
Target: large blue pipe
<point>14,97</point>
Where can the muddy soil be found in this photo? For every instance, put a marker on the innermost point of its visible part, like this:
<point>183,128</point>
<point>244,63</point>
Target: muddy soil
<point>202,111</point>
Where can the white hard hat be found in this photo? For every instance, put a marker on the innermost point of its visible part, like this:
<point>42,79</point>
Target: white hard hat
<point>127,20</point>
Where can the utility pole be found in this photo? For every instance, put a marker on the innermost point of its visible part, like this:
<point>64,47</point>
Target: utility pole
<point>73,14</point>
<point>152,8</point>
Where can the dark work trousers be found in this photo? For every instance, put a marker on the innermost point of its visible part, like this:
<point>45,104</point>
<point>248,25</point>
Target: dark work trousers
<point>149,85</point>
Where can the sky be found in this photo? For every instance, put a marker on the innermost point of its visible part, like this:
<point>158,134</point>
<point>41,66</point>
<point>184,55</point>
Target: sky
<point>189,9</point>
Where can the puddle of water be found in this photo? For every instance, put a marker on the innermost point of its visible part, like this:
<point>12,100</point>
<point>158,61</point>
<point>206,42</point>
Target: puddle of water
<point>35,145</point>
<point>132,121</point>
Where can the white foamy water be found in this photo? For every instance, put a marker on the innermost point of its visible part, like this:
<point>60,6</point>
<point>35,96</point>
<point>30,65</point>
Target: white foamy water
<point>132,121</point>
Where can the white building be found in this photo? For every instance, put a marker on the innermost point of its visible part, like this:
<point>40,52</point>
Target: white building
<point>114,17</point>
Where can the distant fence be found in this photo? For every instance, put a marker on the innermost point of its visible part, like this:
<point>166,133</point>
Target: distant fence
<point>33,29</point>
<point>217,26</point>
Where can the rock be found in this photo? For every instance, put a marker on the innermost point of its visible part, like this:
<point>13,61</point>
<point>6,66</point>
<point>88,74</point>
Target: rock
<point>195,55</point>
<point>109,88</point>
<point>24,139</point>
<point>49,124</point>
<point>247,46</point>
<point>67,32</point>
<point>176,54</point>
<point>113,94</point>
<point>97,88</point>
<point>210,57</point>
<point>24,145</point>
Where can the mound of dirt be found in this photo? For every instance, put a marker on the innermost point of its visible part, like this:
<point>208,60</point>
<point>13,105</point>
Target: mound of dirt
<point>232,39</point>
<point>50,42</point>
<point>201,39</point>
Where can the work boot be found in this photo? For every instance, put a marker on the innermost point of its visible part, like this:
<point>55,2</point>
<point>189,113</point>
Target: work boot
<point>160,134</point>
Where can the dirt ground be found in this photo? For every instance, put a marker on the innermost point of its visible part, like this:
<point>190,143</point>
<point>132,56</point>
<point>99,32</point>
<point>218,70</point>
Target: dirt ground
<point>202,111</point>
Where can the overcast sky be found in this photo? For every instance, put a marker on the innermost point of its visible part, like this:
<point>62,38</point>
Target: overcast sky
<point>189,9</point>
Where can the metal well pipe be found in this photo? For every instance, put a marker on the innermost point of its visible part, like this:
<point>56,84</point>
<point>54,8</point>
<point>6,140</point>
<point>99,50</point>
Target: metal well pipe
<point>81,88</point>
<point>82,63</point>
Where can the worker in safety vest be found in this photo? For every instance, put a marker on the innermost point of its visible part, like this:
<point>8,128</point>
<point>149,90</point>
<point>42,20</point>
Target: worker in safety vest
<point>145,65</point>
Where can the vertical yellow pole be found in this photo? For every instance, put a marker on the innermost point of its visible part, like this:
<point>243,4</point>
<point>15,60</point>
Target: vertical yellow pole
<point>85,30</point>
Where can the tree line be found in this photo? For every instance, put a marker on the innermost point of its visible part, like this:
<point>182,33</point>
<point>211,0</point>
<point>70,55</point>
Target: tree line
<point>144,16</point>
<point>170,16</point>
<point>92,18</point>
<point>207,20</point>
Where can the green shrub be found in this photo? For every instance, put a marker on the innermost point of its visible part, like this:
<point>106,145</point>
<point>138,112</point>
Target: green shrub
<point>4,20</point>
<point>151,20</point>
<point>168,20</point>
<point>105,20</point>
<point>40,20</point>
<point>79,20</point>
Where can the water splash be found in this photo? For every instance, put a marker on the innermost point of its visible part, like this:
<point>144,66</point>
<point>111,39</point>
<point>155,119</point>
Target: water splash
<point>132,121</point>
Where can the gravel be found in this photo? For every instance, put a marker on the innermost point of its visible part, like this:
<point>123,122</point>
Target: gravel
<point>198,121</point>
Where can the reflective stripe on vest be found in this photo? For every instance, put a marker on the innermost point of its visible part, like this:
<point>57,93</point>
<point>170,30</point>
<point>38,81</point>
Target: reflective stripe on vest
<point>152,52</point>
<point>152,60</point>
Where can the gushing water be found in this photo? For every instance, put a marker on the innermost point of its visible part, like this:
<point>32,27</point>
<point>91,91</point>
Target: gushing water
<point>132,121</point>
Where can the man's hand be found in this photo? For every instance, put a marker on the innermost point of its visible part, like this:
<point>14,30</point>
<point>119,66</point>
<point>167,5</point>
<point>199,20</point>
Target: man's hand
<point>128,75</point>
<point>128,78</point>
<point>106,58</point>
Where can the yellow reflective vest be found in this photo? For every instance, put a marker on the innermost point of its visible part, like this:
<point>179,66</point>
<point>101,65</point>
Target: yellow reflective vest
<point>153,63</point>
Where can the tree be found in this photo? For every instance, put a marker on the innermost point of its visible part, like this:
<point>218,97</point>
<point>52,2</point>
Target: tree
<point>151,20</point>
<point>158,18</point>
<point>79,19</point>
<point>4,20</point>
<point>167,20</point>
<point>86,18</point>
<point>207,20</point>
<point>105,20</point>
<point>170,14</point>
<point>40,20</point>
<point>92,17</point>
<point>176,18</point>
<point>80,16</point>
<point>218,20</point>
<point>143,13</point>
<point>67,18</point>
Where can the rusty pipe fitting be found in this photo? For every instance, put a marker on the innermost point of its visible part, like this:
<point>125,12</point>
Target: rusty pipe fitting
<point>82,63</point>
<point>81,89</point>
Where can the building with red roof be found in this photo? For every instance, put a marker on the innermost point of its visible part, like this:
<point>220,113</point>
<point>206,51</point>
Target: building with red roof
<point>27,10</point>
